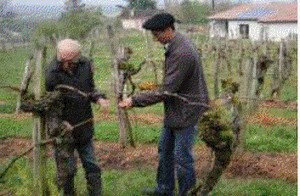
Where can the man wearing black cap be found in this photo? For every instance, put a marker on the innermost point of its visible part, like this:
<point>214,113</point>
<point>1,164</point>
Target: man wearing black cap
<point>185,97</point>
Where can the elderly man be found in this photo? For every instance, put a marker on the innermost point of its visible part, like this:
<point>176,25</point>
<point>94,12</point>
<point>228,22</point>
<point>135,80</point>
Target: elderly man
<point>71,69</point>
<point>185,97</point>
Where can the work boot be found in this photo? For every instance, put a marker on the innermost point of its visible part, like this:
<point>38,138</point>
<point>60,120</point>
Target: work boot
<point>68,188</point>
<point>94,184</point>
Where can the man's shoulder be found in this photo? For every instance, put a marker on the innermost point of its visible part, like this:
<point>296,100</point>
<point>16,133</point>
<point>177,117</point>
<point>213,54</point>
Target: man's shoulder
<point>53,65</point>
<point>184,45</point>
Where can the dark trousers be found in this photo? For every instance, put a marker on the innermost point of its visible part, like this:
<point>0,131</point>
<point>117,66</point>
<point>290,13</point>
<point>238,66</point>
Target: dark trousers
<point>66,167</point>
<point>175,152</point>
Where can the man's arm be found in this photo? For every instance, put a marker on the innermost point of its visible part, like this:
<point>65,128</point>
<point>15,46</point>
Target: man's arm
<point>175,75</point>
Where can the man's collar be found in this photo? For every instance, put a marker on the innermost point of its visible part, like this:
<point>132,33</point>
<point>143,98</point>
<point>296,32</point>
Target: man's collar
<point>169,45</point>
<point>166,46</point>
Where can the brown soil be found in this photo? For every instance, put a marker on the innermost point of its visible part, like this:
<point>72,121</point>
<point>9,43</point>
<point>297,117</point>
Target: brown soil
<point>141,118</point>
<point>112,156</point>
<point>279,104</point>
<point>268,120</point>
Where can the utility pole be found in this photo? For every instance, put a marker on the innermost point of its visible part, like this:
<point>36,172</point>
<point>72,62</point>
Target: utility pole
<point>167,4</point>
<point>75,5</point>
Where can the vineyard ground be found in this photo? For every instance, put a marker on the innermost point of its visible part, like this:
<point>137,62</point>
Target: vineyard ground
<point>244,164</point>
<point>112,156</point>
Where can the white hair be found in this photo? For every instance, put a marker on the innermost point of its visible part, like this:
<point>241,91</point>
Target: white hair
<point>68,46</point>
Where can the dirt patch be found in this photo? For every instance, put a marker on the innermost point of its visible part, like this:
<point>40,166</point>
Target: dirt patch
<point>279,104</point>
<point>112,156</point>
<point>16,116</point>
<point>147,118</point>
<point>268,120</point>
<point>141,118</point>
<point>282,166</point>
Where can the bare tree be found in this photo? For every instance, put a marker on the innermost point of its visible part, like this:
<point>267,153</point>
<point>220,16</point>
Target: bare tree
<point>3,7</point>
<point>74,5</point>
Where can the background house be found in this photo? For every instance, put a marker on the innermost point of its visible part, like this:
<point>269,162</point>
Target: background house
<point>271,21</point>
<point>135,20</point>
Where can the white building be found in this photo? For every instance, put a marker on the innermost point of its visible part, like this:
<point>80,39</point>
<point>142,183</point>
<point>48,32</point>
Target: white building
<point>135,20</point>
<point>272,21</point>
<point>133,23</point>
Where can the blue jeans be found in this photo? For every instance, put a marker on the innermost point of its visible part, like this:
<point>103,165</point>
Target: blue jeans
<point>66,167</point>
<point>175,150</point>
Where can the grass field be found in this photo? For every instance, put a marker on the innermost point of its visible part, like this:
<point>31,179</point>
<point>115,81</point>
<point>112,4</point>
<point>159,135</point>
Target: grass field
<point>275,137</point>
<point>130,182</point>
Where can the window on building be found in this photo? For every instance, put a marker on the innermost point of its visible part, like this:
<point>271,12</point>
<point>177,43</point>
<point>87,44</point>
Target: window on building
<point>244,31</point>
<point>226,27</point>
<point>293,36</point>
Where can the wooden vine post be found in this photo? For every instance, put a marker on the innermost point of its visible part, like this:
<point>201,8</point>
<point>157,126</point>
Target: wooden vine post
<point>253,76</point>
<point>39,130</point>
<point>282,71</point>
<point>276,77</point>
<point>117,85</point>
<point>217,71</point>
<point>28,72</point>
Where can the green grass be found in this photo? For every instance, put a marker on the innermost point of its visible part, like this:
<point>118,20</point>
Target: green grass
<point>257,187</point>
<point>10,127</point>
<point>125,183</point>
<point>8,107</point>
<point>13,63</point>
<point>11,71</point>
<point>289,90</point>
<point>271,139</point>
<point>141,133</point>
<point>156,109</point>
<point>19,181</point>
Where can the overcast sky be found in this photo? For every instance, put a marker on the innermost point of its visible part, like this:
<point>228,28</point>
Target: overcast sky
<point>60,2</point>
<point>101,2</point>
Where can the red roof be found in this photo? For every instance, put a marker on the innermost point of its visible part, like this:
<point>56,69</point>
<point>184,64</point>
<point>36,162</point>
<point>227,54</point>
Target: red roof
<point>267,12</point>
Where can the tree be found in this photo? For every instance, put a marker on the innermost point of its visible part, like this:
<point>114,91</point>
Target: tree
<point>74,5</point>
<point>141,4</point>
<point>135,6</point>
<point>194,12</point>
<point>76,26</point>
<point>3,7</point>
<point>7,17</point>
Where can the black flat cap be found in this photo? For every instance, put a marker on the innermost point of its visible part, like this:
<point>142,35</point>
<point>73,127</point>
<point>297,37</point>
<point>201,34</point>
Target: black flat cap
<point>159,22</point>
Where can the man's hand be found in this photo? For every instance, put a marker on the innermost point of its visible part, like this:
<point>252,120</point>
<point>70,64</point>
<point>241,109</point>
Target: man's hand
<point>67,126</point>
<point>104,103</point>
<point>126,103</point>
